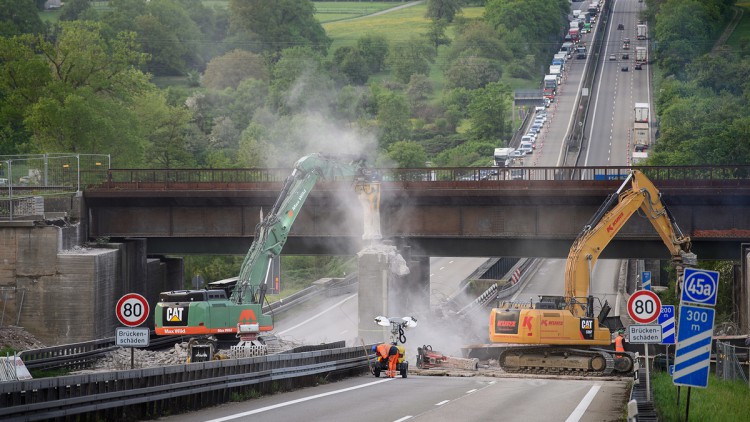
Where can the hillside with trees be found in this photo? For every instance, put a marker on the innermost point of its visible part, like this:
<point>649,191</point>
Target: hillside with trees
<point>260,82</point>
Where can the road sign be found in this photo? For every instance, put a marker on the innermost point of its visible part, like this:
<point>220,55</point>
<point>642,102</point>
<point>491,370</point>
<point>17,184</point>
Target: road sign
<point>646,280</point>
<point>644,306</point>
<point>693,356</point>
<point>666,320</point>
<point>131,337</point>
<point>644,333</point>
<point>132,309</point>
<point>699,287</point>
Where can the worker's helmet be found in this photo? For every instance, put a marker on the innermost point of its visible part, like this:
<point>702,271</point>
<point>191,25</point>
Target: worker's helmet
<point>374,348</point>
<point>621,331</point>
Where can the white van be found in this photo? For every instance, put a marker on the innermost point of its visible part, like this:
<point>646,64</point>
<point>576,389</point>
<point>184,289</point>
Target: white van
<point>526,147</point>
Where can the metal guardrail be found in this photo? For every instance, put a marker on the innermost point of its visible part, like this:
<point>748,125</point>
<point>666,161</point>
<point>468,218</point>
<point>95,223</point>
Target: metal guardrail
<point>144,393</point>
<point>82,355</point>
<point>259,179</point>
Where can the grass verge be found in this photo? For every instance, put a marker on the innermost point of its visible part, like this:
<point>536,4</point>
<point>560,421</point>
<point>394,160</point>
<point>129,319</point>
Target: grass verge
<point>721,401</point>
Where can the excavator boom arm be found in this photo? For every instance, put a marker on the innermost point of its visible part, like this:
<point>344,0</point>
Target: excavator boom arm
<point>272,231</point>
<point>608,221</point>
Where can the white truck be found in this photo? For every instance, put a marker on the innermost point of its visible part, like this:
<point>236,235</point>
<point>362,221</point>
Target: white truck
<point>641,55</point>
<point>641,112</point>
<point>557,71</point>
<point>641,136</point>
<point>502,157</point>
<point>642,31</point>
<point>639,157</point>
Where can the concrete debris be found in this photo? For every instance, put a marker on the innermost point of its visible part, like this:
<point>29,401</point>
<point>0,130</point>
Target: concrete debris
<point>18,339</point>
<point>119,359</point>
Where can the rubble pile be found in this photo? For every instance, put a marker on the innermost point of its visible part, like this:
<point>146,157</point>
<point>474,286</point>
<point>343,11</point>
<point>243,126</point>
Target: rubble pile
<point>18,339</point>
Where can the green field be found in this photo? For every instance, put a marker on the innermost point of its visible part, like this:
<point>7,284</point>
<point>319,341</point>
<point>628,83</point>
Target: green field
<point>743,28</point>
<point>336,11</point>
<point>397,26</point>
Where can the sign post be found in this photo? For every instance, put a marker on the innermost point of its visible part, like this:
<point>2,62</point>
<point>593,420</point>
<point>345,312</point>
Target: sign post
<point>644,306</point>
<point>132,310</point>
<point>695,330</point>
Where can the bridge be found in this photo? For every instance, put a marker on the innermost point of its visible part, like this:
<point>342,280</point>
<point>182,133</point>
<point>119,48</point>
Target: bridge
<point>482,211</point>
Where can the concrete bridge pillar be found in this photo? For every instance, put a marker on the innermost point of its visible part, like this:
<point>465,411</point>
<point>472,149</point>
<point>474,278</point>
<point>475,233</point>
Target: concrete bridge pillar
<point>383,283</point>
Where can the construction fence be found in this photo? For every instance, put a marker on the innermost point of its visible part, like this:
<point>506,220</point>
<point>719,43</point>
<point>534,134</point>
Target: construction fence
<point>26,179</point>
<point>730,362</point>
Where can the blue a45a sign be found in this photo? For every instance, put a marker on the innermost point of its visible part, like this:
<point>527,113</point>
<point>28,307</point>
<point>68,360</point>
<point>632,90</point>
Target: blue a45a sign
<point>699,287</point>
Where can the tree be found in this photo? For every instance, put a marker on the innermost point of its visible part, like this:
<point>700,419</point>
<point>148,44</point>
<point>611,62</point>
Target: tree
<point>86,102</point>
<point>166,134</point>
<point>683,33</point>
<point>21,76</point>
<point>418,90</point>
<point>300,82</point>
<point>168,33</point>
<point>19,17</point>
<point>234,67</point>
<point>488,112</point>
<point>436,34</point>
<point>374,48</point>
<point>280,24</point>
<point>443,9</point>
<point>74,9</point>
<point>407,154</point>
<point>472,72</point>
<point>406,59</point>
<point>393,118</point>
<point>350,61</point>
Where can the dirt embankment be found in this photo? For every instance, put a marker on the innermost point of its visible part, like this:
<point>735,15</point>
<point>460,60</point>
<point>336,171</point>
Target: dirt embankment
<point>18,339</point>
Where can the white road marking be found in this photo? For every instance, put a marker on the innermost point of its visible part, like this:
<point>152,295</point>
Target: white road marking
<point>442,268</point>
<point>344,332</point>
<point>289,403</point>
<point>403,419</point>
<point>442,403</point>
<point>471,391</point>
<point>450,262</point>
<point>584,404</point>
<point>316,315</point>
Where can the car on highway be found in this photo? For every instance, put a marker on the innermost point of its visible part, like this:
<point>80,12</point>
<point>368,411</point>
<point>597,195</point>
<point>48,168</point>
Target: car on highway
<point>620,26</point>
<point>624,69</point>
<point>612,57</point>
<point>625,56</point>
<point>637,66</point>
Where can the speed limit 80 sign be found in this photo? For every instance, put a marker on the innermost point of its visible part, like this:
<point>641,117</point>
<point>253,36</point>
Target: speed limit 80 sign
<point>644,306</point>
<point>132,309</point>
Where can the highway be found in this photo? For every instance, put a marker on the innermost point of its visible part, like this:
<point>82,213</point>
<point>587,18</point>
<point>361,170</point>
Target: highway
<point>336,318</point>
<point>477,398</point>
<point>368,399</point>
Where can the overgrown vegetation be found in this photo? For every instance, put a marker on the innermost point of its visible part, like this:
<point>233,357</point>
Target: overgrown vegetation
<point>721,401</point>
<point>702,91</point>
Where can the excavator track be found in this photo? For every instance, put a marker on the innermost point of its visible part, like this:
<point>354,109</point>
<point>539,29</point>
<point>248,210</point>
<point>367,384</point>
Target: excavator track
<point>551,360</point>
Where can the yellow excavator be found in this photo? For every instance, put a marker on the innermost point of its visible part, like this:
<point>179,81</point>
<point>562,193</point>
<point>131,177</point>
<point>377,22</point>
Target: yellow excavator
<point>560,334</point>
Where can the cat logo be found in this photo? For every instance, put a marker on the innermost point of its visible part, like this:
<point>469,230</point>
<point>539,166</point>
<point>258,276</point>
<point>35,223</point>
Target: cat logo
<point>174,314</point>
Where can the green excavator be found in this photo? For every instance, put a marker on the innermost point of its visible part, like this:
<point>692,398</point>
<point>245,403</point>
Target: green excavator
<point>212,313</point>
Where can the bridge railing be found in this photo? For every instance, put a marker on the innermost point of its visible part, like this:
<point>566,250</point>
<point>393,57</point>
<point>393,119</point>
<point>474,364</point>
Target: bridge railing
<point>245,178</point>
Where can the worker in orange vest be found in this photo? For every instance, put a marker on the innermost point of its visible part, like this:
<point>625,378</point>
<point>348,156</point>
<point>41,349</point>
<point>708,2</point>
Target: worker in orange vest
<point>388,352</point>
<point>619,341</point>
